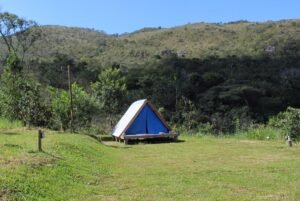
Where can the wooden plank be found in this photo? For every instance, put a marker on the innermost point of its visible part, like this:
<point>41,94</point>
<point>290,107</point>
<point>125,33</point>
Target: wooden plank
<point>148,136</point>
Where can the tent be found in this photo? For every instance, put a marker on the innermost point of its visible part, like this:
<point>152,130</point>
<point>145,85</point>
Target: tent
<point>142,121</point>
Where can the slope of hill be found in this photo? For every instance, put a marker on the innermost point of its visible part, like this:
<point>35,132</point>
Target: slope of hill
<point>189,41</point>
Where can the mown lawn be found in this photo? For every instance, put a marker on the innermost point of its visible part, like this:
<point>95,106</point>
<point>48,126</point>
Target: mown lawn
<point>78,167</point>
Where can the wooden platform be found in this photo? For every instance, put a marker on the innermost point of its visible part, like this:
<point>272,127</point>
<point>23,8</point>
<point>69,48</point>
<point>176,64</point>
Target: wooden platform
<point>149,136</point>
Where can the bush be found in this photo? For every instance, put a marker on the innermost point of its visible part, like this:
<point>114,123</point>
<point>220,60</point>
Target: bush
<point>287,121</point>
<point>84,108</point>
<point>21,99</point>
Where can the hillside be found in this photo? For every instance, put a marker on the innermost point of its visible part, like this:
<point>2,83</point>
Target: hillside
<point>190,41</point>
<point>77,167</point>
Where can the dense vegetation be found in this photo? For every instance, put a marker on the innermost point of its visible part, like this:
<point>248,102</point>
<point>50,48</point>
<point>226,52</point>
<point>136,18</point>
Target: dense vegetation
<point>216,78</point>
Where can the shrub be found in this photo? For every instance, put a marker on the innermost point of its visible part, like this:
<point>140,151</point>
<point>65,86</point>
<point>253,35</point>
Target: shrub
<point>84,108</point>
<point>21,98</point>
<point>288,121</point>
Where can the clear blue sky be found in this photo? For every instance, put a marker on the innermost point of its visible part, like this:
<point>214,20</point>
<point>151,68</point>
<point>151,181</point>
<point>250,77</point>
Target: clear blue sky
<point>118,16</point>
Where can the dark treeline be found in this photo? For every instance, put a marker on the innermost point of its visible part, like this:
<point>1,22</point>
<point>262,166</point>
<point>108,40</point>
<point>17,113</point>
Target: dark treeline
<point>221,92</point>
<point>215,92</point>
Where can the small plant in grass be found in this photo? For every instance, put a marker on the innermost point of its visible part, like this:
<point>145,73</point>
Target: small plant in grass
<point>263,132</point>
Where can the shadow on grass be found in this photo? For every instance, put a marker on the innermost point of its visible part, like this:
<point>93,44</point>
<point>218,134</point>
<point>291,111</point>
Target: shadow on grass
<point>9,133</point>
<point>95,137</point>
<point>108,139</point>
<point>46,153</point>
<point>142,141</point>
<point>52,155</point>
<point>12,145</point>
<point>117,146</point>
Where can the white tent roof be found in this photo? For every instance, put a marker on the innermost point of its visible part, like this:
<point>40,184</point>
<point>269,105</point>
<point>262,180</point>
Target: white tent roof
<point>128,117</point>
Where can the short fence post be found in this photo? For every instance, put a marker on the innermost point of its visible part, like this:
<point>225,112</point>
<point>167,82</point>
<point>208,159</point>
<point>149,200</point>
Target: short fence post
<point>289,140</point>
<point>40,137</point>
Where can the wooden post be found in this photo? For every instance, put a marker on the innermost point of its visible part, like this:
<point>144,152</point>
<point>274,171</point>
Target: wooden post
<point>289,140</point>
<point>71,99</point>
<point>40,137</point>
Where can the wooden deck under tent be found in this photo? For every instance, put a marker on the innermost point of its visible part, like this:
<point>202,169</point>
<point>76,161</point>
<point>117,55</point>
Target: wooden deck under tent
<point>126,138</point>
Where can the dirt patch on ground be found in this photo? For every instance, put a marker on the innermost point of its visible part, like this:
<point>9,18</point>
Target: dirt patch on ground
<point>3,195</point>
<point>109,198</point>
<point>280,196</point>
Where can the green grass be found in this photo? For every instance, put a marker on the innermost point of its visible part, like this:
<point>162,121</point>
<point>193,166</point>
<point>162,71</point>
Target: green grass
<point>7,124</point>
<point>77,167</point>
<point>261,133</point>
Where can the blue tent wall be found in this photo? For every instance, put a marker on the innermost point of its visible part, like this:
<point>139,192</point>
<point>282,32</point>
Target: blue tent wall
<point>138,126</point>
<point>147,122</point>
<point>154,124</point>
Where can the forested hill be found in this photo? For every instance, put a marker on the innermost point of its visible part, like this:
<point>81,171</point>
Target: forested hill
<point>189,41</point>
<point>230,76</point>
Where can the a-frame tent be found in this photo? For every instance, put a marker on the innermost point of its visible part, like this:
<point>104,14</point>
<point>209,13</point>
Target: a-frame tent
<point>142,121</point>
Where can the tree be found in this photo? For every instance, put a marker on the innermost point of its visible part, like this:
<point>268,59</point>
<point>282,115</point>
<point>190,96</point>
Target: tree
<point>110,91</point>
<point>20,98</point>
<point>10,89</point>
<point>18,34</point>
<point>34,110</point>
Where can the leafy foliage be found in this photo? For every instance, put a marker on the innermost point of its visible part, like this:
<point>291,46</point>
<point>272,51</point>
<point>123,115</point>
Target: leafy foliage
<point>20,97</point>
<point>17,34</point>
<point>84,108</point>
<point>288,121</point>
<point>110,90</point>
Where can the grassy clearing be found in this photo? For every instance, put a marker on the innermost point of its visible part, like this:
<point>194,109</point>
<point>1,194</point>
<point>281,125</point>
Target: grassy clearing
<point>78,167</point>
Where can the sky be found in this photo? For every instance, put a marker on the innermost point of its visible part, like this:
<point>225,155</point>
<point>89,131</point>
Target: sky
<point>120,16</point>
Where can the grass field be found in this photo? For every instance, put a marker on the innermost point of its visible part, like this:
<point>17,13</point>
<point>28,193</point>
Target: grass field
<point>78,167</point>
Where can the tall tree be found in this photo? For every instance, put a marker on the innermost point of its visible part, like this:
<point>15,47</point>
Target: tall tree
<point>110,90</point>
<point>18,34</point>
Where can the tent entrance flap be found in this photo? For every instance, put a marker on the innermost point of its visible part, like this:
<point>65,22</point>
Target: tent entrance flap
<point>147,122</point>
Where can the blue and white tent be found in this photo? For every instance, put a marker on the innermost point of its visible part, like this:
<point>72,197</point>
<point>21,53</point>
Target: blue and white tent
<point>141,118</point>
